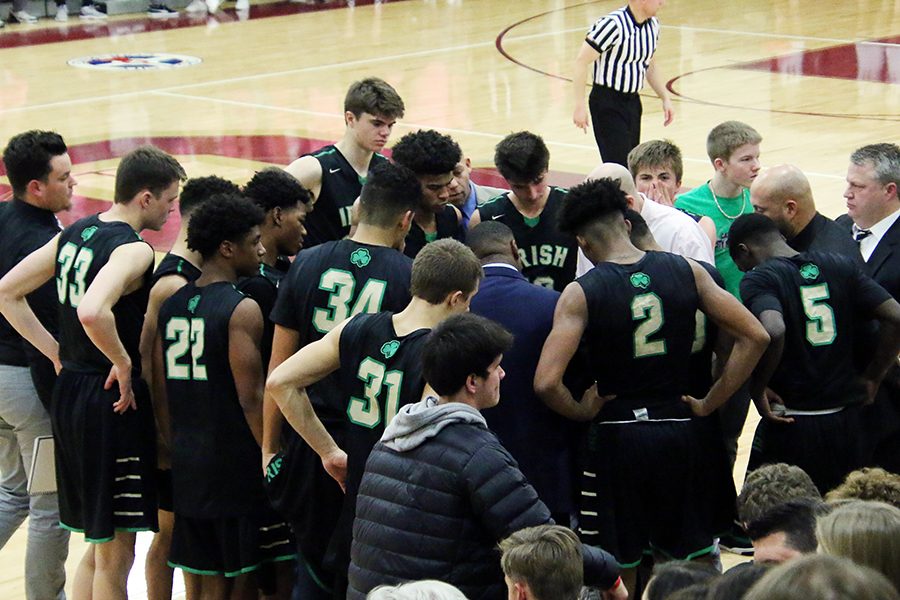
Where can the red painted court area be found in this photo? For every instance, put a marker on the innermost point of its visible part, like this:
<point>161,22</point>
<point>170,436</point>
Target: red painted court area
<point>877,61</point>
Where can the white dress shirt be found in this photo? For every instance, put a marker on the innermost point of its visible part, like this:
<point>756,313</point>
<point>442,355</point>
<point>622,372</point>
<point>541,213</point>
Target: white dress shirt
<point>868,244</point>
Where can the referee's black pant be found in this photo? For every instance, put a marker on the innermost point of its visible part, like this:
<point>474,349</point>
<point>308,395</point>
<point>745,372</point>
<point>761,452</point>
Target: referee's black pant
<point>616,118</point>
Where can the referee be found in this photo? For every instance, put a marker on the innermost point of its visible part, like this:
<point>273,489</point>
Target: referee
<point>621,47</point>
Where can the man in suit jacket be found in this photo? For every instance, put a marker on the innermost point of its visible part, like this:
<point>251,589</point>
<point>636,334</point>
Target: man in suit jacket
<point>783,194</point>
<point>873,216</point>
<point>538,438</point>
<point>470,195</point>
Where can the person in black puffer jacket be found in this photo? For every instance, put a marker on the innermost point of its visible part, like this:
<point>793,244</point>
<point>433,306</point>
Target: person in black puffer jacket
<point>440,491</point>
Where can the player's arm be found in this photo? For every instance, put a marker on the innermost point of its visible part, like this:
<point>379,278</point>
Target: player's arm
<point>159,293</point>
<point>656,81</point>
<point>750,340</point>
<point>308,170</point>
<point>36,269</point>
<point>476,218</point>
<point>586,56</point>
<point>285,342</point>
<point>888,315</point>
<point>120,275</point>
<point>287,386</point>
<point>773,322</point>
<point>160,405</point>
<point>245,330</point>
<point>569,321</point>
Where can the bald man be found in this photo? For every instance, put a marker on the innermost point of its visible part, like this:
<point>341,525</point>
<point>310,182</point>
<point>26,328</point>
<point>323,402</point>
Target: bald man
<point>783,194</point>
<point>673,230</point>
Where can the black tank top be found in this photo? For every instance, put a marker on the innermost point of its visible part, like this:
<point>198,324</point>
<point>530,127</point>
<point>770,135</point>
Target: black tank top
<point>172,264</point>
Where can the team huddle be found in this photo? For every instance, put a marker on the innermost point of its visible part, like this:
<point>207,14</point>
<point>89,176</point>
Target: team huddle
<point>358,371</point>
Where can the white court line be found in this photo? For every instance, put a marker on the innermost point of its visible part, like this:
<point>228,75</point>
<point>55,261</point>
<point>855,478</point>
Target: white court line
<point>416,126</point>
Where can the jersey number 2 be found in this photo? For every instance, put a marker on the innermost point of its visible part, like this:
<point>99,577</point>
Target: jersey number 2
<point>647,308</point>
<point>366,411</point>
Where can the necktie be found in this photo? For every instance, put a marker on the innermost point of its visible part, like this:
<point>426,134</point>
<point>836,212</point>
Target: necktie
<point>861,234</point>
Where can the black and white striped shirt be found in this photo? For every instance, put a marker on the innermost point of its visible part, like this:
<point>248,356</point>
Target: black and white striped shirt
<point>625,48</point>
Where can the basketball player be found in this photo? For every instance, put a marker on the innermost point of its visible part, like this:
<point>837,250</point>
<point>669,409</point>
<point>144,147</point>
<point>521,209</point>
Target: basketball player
<point>102,419</point>
<point>335,174</point>
<point>636,314</point>
<point>325,286</point>
<point>530,209</point>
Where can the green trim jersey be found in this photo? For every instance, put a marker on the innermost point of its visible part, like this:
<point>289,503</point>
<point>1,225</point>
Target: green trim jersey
<point>341,185</point>
<point>263,287</point>
<point>825,300</point>
<point>215,459</point>
<point>640,330</point>
<point>549,257</point>
<point>172,264</point>
<point>83,249</point>
<point>700,201</point>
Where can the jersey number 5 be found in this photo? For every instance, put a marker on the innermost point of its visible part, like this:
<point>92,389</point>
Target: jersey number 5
<point>342,284</point>
<point>186,335</point>
<point>77,262</point>
<point>820,329</point>
<point>366,411</point>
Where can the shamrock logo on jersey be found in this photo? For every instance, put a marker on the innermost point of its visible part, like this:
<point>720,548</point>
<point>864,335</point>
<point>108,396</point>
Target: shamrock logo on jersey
<point>809,271</point>
<point>88,232</point>
<point>390,348</point>
<point>193,302</point>
<point>640,280</point>
<point>360,257</point>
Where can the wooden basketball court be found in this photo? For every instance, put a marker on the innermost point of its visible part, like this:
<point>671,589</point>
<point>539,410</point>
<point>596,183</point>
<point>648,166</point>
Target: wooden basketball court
<point>817,79</point>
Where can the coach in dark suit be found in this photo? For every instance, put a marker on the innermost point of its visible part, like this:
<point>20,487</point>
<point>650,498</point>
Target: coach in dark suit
<point>873,217</point>
<point>783,194</point>
<point>539,439</point>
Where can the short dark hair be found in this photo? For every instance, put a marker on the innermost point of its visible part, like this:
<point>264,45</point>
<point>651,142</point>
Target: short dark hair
<point>752,228</point>
<point>795,518</point>
<point>444,267</point>
<point>427,152</point>
<point>146,168</point>
<point>547,558</point>
<point>521,156</point>
<point>198,190</point>
<point>374,96</point>
<point>27,157</point>
<point>390,191</point>
<point>640,231</point>
<point>222,217</point>
<point>460,346</point>
<point>669,577</point>
<point>589,202</point>
<point>770,485</point>
<point>736,582</point>
<point>489,238</point>
<point>276,188</point>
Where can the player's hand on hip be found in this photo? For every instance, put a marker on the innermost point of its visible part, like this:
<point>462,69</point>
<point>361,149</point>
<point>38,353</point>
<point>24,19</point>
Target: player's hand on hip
<point>335,465</point>
<point>668,113</point>
<point>699,406</point>
<point>580,118</point>
<point>871,391</point>
<point>592,402</point>
<point>771,408</point>
<point>121,374</point>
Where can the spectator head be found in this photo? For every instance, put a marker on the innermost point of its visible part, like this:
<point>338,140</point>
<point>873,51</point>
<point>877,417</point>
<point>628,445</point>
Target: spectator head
<point>733,148</point>
<point>822,576</point>
<point>670,577</point>
<point>428,589</point>
<point>769,486</point>
<point>785,531</point>
<point>736,582</point>
<point>542,563</point>
<point>656,163</point>
<point>39,169</point>
<point>461,359</point>
<point>868,483</point>
<point>868,533</point>
<point>873,178</point>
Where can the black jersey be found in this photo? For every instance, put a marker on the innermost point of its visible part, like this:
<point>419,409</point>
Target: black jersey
<point>83,249</point>
<point>705,336</point>
<point>263,287</point>
<point>824,299</point>
<point>640,330</point>
<point>341,185</point>
<point>172,264</point>
<point>549,257</point>
<point>330,283</point>
<point>447,225</point>
<point>215,459</point>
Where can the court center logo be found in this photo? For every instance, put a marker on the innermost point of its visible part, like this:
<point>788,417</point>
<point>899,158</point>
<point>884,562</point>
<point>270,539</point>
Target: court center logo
<point>135,62</point>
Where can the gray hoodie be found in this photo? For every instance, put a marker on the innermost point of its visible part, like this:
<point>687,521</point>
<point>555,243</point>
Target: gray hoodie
<point>416,423</point>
